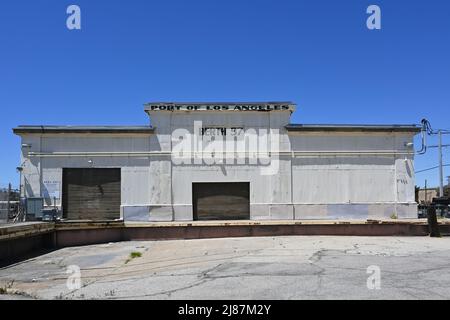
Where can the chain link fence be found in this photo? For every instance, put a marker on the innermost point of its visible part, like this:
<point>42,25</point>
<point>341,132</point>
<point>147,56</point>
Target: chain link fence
<point>9,204</point>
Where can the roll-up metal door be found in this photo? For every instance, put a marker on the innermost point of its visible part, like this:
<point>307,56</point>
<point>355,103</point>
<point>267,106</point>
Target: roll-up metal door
<point>221,201</point>
<point>91,193</point>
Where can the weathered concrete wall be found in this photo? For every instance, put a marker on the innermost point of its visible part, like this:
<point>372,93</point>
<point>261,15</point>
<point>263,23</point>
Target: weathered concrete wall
<point>24,240</point>
<point>18,241</point>
<point>135,169</point>
<point>269,194</point>
<point>360,181</point>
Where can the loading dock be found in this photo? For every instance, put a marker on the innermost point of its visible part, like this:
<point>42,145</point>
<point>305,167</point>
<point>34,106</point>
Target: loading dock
<point>221,201</point>
<point>91,193</point>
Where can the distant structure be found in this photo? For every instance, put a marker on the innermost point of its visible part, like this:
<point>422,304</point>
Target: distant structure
<point>13,197</point>
<point>425,196</point>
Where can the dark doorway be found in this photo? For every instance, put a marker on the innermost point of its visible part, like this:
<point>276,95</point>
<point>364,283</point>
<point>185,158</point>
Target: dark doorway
<point>221,201</point>
<point>91,194</point>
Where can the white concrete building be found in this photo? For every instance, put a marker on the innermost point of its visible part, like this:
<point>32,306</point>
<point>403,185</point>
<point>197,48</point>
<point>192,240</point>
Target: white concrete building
<point>201,161</point>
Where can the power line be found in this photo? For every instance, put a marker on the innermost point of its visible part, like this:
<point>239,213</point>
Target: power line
<point>428,169</point>
<point>427,126</point>
<point>443,146</point>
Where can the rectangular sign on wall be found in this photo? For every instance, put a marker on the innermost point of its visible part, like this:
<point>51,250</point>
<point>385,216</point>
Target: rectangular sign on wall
<point>221,131</point>
<point>52,189</point>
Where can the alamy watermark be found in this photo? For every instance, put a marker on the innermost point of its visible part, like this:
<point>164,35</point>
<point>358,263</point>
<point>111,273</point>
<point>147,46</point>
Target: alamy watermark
<point>213,145</point>
<point>374,280</point>
<point>73,21</point>
<point>374,20</point>
<point>74,280</point>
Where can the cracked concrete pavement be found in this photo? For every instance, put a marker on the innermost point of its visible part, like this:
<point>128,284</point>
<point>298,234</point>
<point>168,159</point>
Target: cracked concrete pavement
<point>303,267</point>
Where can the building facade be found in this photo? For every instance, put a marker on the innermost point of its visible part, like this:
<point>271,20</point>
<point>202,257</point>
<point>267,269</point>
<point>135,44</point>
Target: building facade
<point>221,161</point>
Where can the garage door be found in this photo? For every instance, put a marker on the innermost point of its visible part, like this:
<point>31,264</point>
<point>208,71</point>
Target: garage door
<point>92,194</point>
<point>221,201</point>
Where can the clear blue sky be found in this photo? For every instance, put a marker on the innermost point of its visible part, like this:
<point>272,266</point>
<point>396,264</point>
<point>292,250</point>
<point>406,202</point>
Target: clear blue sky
<point>317,53</point>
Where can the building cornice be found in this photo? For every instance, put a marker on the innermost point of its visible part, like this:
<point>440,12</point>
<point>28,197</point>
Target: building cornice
<point>351,128</point>
<point>83,129</point>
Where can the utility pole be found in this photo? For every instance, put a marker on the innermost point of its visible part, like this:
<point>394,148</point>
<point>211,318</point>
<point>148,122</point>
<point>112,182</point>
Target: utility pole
<point>20,209</point>
<point>433,225</point>
<point>8,210</point>
<point>426,191</point>
<point>441,171</point>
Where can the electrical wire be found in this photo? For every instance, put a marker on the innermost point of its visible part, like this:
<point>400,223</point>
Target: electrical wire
<point>427,126</point>
<point>428,169</point>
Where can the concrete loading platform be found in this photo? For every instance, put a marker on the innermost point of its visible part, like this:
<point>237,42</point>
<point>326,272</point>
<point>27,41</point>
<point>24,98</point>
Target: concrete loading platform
<point>18,240</point>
